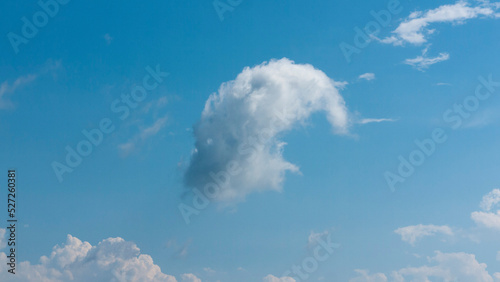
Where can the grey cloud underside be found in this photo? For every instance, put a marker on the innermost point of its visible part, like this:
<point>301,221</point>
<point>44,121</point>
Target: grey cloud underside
<point>242,124</point>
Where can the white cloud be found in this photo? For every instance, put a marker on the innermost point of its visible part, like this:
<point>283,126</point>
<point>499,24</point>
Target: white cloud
<point>444,267</point>
<point>209,270</point>
<point>375,120</point>
<point>364,276</point>
<point>367,76</point>
<point>487,219</point>
<point>423,62</point>
<point>188,277</point>
<point>242,124</point>
<point>7,88</point>
<point>143,135</point>
<point>113,259</point>
<point>413,233</point>
<point>3,242</point>
<point>271,278</point>
<point>449,267</point>
<point>415,28</point>
<point>490,200</point>
<point>314,237</point>
<point>108,38</point>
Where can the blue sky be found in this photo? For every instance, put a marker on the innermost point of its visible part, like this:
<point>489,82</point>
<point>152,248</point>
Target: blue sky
<point>324,190</point>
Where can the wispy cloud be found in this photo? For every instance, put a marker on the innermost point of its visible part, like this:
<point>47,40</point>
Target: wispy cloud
<point>413,233</point>
<point>9,88</point>
<point>108,38</point>
<point>423,62</point>
<point>143,135</point>
<point>367,76</point>
<point>443,84</point>
<point>415,29</point>
<point>375,120</point>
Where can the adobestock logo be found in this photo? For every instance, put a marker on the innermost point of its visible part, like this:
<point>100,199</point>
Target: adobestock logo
<point>363,37</point>
<point>321,252</point>
<point>221,7</point>
<point>30,28</point>
<point>455,116</point>
<point>94,137</point>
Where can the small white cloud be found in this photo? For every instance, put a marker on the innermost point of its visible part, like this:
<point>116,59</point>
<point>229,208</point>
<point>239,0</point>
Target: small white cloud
<point>445,267</point>
<point>443,84</point>
<point>7,89</point>
<point>490,200</point>
<point>108,38</point>
<point>413,233</point>
<point>271,278</point>
<point>487,219</point>
<point>313,238</point>
<point>423,62</point>
<point>415,28</point>
<point>367,76</point>
<point>209,270</point>
<point>3,243</point>
<point>375,120</point>
<point>189,277</point>
<point>365,276</point>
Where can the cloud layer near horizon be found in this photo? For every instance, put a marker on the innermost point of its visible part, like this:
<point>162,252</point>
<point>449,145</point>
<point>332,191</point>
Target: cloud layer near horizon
<point>113,259</point>
<point>242,125</point>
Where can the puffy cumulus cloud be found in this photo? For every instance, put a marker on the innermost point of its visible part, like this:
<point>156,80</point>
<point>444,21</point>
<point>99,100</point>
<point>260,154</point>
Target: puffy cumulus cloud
<point>188,277</point>
<point>445,267</point>
<point>364,276</point>
<point>487,218</point>
<point>449,267</point>
<point>415,28</point>
<point>271,278</point>
<point>241,126</point>
<point>490,200</point>
<point>113,259</point>
<point>413,233</point>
